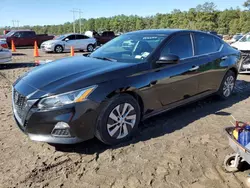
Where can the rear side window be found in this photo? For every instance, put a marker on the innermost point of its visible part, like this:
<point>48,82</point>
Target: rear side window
<point>28,34</point>
<point>181,45</point>
<point>79,37</point>
<point>206,44</point>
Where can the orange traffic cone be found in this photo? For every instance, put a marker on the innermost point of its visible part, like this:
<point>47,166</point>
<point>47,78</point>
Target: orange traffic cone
<point>13,48</point>
<point>72,52</point>
<point>36,52</point>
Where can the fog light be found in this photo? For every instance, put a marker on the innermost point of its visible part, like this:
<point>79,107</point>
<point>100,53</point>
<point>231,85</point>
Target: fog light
<point>61,125</point>
<point>61,129</point>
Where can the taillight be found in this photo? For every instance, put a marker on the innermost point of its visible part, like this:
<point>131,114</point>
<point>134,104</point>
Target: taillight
<point>5,45</point>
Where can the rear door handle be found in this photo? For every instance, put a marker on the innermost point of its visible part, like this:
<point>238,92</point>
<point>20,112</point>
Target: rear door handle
<point>194,68</point>
<point>224,58</point>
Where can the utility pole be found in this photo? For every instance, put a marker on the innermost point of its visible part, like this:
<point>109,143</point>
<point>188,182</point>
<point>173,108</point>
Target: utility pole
<point>74,19</point>
<point>15,23</point>
<point>80,20</point>
<point>74,24</point>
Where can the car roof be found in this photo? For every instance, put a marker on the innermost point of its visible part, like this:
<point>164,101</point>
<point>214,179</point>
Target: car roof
<point>21,30</point>
<point>165,31</point>
<point>73,34</point>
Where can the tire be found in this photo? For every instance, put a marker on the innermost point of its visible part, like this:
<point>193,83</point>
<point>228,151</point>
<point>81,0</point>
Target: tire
<point>90,48</point>
<point>113,129</point>
<point>228,163</point>
<point>227,85</point>
<point>58,49</point>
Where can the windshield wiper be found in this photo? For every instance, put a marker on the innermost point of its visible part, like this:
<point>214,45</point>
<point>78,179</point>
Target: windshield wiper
<point>105,58</point>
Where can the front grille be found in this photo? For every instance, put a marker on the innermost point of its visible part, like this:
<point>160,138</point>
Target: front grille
<point>20,106</point>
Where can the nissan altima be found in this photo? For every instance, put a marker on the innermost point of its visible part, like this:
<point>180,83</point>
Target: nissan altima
<point>133,77</point>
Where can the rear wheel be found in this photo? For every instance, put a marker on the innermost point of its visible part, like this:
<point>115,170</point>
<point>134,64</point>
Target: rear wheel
<point>227,85</point>
<point>90,48</point>
<point>58,49</point>
<point>118,119</point>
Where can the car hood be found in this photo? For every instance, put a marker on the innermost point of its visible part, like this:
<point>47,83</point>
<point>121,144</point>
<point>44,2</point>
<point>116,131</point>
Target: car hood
<point>70,74</point>
<point>51,41</point>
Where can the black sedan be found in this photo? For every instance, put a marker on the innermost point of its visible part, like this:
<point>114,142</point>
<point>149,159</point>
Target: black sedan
<point>133,77</point>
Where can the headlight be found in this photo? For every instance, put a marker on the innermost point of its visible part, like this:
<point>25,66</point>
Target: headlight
<point>50,44</point>
<point>65,98</point>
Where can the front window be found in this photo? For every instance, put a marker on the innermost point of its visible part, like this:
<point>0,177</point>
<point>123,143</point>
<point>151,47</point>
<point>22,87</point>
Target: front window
<point>133,48</point>
<point>180,46</point>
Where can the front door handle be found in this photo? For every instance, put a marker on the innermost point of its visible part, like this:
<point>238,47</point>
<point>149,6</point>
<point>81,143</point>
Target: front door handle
<point>224,58</point>
<point>194,68</point>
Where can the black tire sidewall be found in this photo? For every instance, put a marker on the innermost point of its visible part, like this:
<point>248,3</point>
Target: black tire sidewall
<point>101,128</point>
<point>220,92</point>
<point>56,47</point>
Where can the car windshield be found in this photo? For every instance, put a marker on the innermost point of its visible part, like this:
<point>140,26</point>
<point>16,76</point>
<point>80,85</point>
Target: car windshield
<point>60,37</point>
<point>10,33</point>
<point>237,37</point>
<point>246,38</point>
<point>132,48</point>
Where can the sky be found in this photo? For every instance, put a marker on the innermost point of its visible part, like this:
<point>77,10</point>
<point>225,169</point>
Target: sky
<point>47,12</point>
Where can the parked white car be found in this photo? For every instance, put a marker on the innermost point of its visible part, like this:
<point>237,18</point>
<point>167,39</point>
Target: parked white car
<point>63,43</point>
<point>243,44</point>
<point>5,53</point>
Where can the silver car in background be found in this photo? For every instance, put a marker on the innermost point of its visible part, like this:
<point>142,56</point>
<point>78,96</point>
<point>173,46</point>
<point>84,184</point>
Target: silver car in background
<point>63,43</point>
<point>5,53</point>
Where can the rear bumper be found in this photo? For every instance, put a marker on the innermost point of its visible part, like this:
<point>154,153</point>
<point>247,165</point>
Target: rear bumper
<point>5,56</point>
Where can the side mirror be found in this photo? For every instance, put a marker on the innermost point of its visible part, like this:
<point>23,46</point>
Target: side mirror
<point>66,40</point>
<point>168,59</point>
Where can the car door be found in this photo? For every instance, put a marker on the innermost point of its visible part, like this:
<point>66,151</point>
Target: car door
<point>17,39</point>
<point>82,42</point>
<point>70,41</point>
<point>27,38</point>
<point>176,82</point>
<point>208,53</point>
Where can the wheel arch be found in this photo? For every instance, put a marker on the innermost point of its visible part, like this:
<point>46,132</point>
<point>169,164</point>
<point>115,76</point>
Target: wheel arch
<point>58,45</point>
<point>234,70</point>
<point>135,94</point>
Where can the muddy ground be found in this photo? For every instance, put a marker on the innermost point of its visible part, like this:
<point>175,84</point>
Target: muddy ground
<point>179,149</point>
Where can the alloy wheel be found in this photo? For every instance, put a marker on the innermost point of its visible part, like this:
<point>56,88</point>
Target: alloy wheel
<point>90,48</point>
<point>59,49</point>
<point>228,86</point>
<point>121,121</point>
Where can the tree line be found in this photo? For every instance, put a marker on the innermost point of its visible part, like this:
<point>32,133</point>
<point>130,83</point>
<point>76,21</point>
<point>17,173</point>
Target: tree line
<point>204,17</point>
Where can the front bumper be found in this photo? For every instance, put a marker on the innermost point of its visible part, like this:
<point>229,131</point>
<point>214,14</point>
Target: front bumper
<point>244,65</point>
<point>81,118</point>
<point>47,48</point>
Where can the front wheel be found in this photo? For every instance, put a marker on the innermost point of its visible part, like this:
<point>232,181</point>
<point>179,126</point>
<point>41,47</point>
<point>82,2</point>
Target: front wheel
<point>227,85</point>
<point>58,49</point>
<point>118,119</point>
